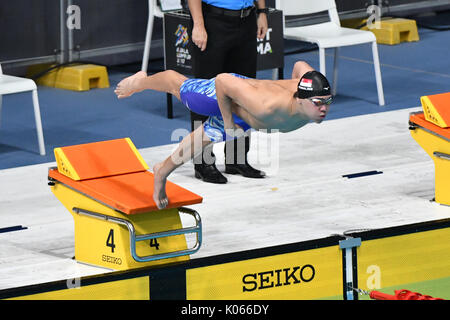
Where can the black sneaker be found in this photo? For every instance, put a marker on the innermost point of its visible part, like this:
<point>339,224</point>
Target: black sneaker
<point>209,173</point>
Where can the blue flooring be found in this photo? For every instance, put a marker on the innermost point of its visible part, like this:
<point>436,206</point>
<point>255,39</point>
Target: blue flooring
<point>409,71</point>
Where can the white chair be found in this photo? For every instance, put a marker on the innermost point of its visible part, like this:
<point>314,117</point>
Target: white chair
<point>11,84</point>
<point>328,35</point>
<point>153,11</point>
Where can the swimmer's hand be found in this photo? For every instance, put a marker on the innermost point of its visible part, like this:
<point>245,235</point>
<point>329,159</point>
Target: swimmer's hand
<point>229,125</point>
<point>234,132</point>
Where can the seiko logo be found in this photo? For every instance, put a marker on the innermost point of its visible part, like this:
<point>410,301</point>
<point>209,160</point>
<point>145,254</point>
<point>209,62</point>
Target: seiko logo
<point>278,278</point>
<point>110,259</point>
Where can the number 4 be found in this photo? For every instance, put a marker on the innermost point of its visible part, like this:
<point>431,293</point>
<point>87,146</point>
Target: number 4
<point>110,240</point>
<point>154,243</point>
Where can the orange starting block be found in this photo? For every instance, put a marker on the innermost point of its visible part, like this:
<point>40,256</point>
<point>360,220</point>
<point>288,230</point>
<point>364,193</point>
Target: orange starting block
<point>108,189</point>
<point>431,130</point>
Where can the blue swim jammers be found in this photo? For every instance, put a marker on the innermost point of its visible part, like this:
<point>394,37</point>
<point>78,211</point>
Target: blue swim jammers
<point>199,96</point>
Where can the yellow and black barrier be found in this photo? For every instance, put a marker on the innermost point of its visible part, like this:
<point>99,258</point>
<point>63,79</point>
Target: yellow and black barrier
<point>413,257</point>
<point>394,258</point>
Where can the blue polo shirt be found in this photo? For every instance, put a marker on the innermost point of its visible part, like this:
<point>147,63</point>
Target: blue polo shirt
<point>230,4</point>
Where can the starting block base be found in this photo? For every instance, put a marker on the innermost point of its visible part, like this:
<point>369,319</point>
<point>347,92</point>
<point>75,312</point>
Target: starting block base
<point>438,148</point>
<point>81,77</point>
<point>109,192</point>
<point>430,130</point>
<point>101,241</point>
<point>390,30</point>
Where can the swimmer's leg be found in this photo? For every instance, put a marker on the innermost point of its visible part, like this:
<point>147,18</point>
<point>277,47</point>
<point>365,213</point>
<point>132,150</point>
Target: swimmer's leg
<point>191,145</point>
<point>168,81</point>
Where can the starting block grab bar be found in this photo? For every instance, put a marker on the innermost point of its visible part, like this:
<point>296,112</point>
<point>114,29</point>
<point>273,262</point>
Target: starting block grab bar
<point>135,238</point>
<point>441,155</point>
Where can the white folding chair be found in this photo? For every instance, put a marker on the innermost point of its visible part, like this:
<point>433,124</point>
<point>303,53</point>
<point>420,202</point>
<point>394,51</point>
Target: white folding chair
<point>12,84</point>
<point>153,11</point>
<point>328,34</point>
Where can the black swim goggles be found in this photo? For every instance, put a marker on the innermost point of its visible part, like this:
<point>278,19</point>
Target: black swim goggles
<point>320,101</point>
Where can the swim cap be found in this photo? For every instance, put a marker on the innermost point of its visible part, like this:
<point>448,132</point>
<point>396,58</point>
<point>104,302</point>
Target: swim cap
<point>312,84</point>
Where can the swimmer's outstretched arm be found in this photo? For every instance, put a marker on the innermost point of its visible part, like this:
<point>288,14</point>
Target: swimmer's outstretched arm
<point>191,145</point>
<point>231,89</point>
<point>300,68</point>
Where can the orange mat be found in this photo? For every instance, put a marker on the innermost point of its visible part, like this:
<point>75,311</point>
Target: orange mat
<point>419,119</point>
<point>100,159</point>
<point>441,105</point>
<point>114,173</point>
<point>129,193</point>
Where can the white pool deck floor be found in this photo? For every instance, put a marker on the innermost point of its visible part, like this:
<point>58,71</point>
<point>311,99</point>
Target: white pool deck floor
<point>303,197</point>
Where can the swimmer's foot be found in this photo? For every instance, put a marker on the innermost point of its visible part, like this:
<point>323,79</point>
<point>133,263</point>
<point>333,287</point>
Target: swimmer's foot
<point>159,187</point>
<point>130,85</point>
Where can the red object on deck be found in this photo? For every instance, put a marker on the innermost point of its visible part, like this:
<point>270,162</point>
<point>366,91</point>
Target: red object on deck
<point>401,295</point>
